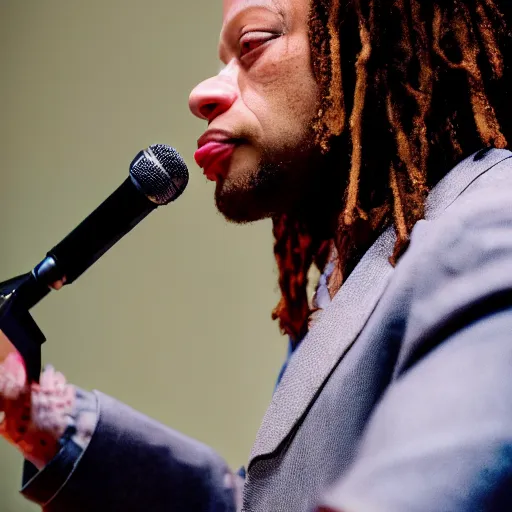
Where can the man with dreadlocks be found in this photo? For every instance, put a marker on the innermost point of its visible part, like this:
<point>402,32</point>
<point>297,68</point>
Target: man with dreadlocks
<point>373,133</point>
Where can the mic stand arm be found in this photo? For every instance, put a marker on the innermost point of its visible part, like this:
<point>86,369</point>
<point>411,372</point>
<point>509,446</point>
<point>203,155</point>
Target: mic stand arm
<point>18,325</point>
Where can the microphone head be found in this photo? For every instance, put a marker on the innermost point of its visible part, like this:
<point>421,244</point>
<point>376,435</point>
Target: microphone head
<point>159,173</point>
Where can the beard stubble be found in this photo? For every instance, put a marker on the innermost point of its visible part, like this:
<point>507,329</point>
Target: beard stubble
<point>282,182</point>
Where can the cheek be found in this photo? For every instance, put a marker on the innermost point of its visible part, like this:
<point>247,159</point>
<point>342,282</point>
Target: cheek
<point>281,91</point>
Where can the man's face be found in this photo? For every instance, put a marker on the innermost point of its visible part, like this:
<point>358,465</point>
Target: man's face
<point>258,146</point>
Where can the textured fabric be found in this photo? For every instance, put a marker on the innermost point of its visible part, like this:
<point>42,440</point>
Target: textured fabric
<point>40,487</point>
<point>441,436</point>
<point>397,399</point>
<point>135,464</point>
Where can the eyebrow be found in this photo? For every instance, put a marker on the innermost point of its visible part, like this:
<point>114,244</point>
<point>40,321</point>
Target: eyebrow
<point>269,5</point>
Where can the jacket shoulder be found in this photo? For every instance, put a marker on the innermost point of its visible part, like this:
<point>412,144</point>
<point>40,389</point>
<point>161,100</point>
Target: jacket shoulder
<point>458,267</point>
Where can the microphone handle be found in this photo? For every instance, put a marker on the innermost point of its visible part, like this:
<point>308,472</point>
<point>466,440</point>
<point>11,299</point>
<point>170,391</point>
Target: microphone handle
<point>96,234</point>
<point>92,238</point>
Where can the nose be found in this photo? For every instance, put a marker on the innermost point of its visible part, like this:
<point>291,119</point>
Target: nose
<point>213,97</point>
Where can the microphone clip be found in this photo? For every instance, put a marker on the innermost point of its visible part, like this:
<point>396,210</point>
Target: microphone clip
<point>17,324</point>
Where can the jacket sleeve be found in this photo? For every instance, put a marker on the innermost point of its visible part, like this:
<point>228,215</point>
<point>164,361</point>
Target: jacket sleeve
<point>441,437</point>
<point>133,463</point>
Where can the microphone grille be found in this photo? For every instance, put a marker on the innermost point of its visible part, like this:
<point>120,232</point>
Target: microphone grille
<point>160,173</point>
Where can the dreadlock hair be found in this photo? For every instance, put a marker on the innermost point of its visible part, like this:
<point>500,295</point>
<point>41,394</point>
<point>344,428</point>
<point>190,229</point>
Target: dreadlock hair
<point>407,89</point>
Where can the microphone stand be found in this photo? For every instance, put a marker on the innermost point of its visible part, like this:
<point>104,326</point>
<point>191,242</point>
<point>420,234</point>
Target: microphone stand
<point>22,331</point>
<point>17,323</point>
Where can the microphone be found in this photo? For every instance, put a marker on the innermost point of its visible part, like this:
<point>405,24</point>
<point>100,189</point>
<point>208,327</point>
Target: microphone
<point>158,175</point>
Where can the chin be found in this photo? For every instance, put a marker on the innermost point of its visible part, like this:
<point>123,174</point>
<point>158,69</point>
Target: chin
<point>243,194</point>
<point>261,186</point>
<point>240,204</point>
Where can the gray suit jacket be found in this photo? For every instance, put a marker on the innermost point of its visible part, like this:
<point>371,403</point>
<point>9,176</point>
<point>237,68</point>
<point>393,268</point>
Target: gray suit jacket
<point>399,398</point>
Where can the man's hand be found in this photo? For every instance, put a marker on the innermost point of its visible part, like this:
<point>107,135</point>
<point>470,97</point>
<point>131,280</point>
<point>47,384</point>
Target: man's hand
<point>35,415</point>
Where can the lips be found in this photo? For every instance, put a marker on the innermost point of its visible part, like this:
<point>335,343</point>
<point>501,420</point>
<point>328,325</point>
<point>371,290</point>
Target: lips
<point>215,148</point>
<point>214,158</point>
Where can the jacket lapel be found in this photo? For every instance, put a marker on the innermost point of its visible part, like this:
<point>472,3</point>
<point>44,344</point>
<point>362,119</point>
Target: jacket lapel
<point>341,322</point>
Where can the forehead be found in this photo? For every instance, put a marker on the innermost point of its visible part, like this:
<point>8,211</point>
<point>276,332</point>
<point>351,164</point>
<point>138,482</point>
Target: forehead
<point>232,7</point>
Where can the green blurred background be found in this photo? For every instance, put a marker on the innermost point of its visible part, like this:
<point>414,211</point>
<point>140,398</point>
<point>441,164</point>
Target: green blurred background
<point>175,319</point>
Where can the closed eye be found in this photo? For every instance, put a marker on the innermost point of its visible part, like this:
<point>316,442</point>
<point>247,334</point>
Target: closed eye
<point>251,41</point>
